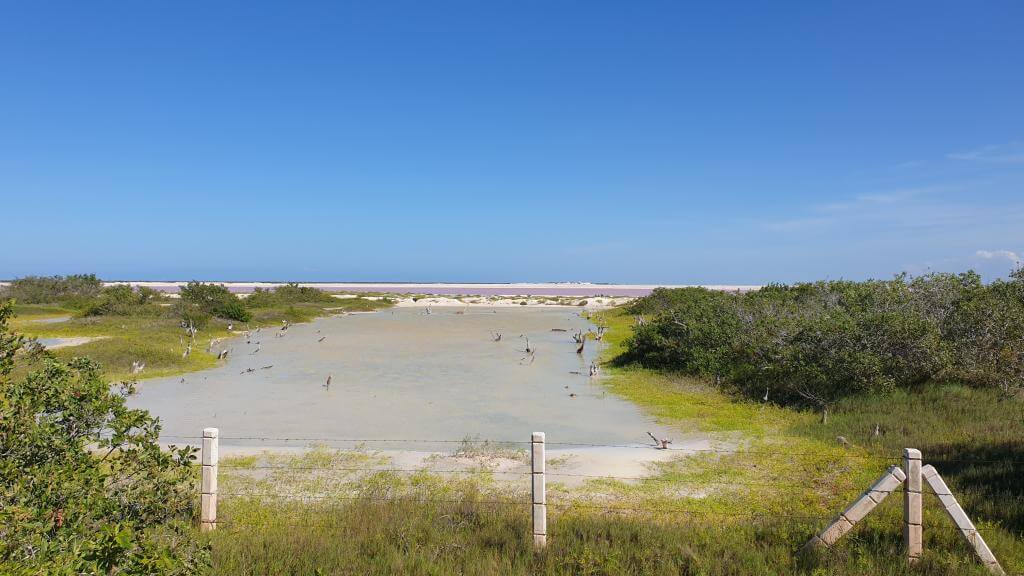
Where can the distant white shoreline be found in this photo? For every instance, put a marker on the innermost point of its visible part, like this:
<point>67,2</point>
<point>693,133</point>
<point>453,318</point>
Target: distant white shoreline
<point>461,288</point>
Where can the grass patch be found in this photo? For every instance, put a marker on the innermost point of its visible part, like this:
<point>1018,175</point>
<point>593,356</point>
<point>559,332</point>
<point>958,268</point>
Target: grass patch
<point>158,339</point>
<point>41,311</point>
<point>973,437</point>
<point>747,512</point>
<point>462,529</point>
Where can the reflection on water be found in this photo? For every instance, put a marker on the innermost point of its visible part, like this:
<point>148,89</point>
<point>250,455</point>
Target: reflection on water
<point>405,374</point>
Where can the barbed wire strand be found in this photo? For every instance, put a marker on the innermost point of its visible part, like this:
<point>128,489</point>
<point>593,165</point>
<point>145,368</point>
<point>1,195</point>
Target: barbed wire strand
<point>350,468</point>
<point>699,481</point>
<point>476,441</point>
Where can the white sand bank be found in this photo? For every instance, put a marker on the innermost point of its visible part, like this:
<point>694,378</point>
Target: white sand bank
<point>567,466</point>
<point>510,301</point>
<point>55,343</point>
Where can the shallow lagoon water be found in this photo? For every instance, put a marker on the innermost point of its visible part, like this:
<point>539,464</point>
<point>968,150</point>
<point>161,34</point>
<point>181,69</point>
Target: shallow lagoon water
<point>402,374</point>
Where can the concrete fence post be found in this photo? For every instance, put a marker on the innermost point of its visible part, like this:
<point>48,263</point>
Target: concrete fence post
<point>959,517</point>
<point>208,496</point>
<point>860,508</point>
<point>539,492</point>
<point>912,503</point>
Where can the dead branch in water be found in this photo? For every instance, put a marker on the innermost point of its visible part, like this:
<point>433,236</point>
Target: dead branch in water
<point>661,444</point>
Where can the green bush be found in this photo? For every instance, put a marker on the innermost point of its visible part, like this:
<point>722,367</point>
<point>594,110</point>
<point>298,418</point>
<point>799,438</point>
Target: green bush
<point>124,300</point>
<point>84,486</point>
<point>693,333</point>
<point>73,290</point>
<point>191,315</point>
<point>815,343</point>
<point>287,294</point>
<point>986,330</point>
<point>216,300</point>
<point>233,310</point>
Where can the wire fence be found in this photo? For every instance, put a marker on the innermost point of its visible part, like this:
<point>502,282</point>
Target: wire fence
<point>857,454</point>
<point>826,527</point>
<point>665,507</point>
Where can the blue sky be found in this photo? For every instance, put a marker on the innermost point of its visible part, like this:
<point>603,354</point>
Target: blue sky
<point>653,141</point>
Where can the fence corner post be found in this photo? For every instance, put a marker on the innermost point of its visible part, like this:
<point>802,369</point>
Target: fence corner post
<point>208,491</point>
<point>912,536</point>
<point>539,492</point>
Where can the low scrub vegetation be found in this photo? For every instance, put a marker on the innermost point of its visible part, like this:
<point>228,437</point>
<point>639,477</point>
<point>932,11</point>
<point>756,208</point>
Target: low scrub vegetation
<point>214,300</point>
<point>943,387</point>
<point>125,300</point>
<point>84,486</point>
<point>74,291</point>
<point>813,344</point>
<point>288,294</point>
<point>167,335</point>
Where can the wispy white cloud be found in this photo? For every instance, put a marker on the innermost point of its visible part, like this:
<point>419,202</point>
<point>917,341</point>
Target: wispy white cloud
<point>1012,153</point>
<point>910,210</point>
<point>889,197</point>
<point>870,199</point>
<point>1013,257</point>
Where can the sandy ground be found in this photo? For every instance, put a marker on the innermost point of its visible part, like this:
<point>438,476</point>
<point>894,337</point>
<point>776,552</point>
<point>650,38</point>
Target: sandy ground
<point>592,302</point>
<point>568,466</point>
<point>54,343</point>
<point>581,289</point>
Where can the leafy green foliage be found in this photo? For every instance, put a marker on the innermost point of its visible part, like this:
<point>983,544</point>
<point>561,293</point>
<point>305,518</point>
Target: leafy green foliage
<point>216,300</point>
<point>816,343</point>
<point>695,335</point>
<point>84,486</point>
<point>74,290</point>
<point>288,294</point>
<point>124,300</point>
<point>85,293</point>
<point>986,328</point>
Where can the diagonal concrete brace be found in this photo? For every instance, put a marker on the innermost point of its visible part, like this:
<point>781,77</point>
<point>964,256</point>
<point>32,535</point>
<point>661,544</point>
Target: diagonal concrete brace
<point>860,508</point>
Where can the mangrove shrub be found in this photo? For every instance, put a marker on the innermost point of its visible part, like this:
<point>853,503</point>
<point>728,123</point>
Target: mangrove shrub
<point>814,343</point>
<point>84,485</point>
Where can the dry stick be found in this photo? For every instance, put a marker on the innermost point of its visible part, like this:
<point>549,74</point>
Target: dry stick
<point>959,517</point>
<point>208,497</point>
<point>859,509</point>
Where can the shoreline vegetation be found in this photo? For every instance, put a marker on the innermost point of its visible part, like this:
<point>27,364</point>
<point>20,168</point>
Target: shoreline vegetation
<point>137,332</point>
<point>122,326</point>
<point>745,512</point>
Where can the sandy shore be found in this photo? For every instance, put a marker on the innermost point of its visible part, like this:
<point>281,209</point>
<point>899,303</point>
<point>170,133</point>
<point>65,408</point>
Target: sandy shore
<point>579,289</point>
<point>592,302</point>
<point>569,466</point>
<point>55,343</point>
